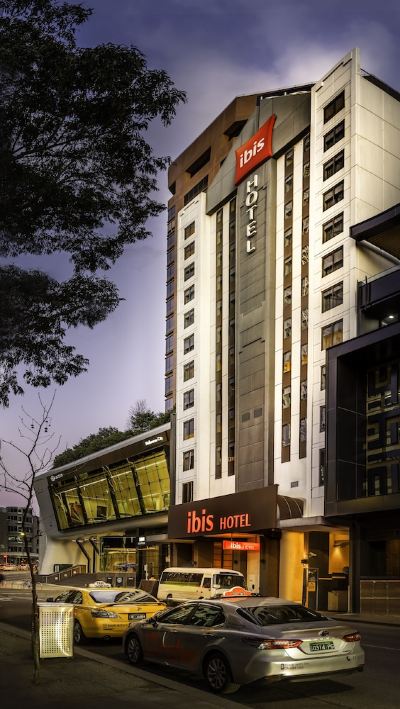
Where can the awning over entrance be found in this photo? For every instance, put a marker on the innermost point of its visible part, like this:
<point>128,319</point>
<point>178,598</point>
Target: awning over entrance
<point>249,512</point>
<point>290,507</point>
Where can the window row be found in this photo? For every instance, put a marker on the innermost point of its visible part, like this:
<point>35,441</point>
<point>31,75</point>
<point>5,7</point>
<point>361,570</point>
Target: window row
<point>286,432</point>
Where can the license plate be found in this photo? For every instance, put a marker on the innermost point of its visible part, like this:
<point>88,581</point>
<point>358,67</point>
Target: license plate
<point>136,616</point>
<point>327,645</point>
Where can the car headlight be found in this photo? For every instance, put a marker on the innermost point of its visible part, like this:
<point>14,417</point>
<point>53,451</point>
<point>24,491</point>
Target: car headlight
<point>104,614</point>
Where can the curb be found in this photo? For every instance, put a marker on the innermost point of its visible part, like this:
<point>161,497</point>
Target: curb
<point>367,621</point>
<point>202,695</point>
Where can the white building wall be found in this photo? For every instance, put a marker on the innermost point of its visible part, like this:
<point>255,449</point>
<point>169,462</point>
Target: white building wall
<point>201,328</point>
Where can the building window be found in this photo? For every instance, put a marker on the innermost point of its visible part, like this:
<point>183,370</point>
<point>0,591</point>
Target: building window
<point>332,334</point>
<point>188,344</point>
<point>288,209</point>
<point>306,169</point>
<point>188,318</point>
<point>305,225</point>
<point>289,183</point>
<point>170,272</point>
<point>169,344</point>
<point>189,230</point>
<point>304,286</point>
<point>332,261</point>
<point>188,294</point>
<point>304,354</point>
<point>333,136</point>
<point>169,363</point>
<point>287,269</point>
<point>321,466</point>
<point>170,306</point>
<point>304,255</point>
<point>333,107</point>
<point>323,377</point>
<point>303,430</point>
<point>287,295</point>
<point>332,166</point>
<point>169,324</point>
<point>306,143</point>
<point>333,196</point>
<point>170,288</point>
<point>332,297</point>
<point>306,196</point>
<point>289,161</point>
<point>169,385</point>
<point>189,250</point>
<point>200,187</point>
<point>332,228</point>
<point>322,418</point>
<point>188,371</point>
<point>188,429</point>
<point>304,319</point>
<point>189,271</point>
<point>286,434</point>
<point>286,397</point>
<point>303,390</point>
<point>188,399</point>
<point>187,492</point>
<point>287,239</point>
<point>287,328</point>
<point>188,459</point>
<point>287,361</point>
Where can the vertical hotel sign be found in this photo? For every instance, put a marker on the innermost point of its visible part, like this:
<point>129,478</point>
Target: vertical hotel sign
<point>254,152</point>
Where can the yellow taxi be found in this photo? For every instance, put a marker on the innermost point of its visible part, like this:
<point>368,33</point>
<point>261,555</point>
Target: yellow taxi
<point>107,612</point>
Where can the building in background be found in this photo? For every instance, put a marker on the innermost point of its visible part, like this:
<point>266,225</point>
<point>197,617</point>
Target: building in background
<point>265,272</point>
<point>363,428</point>
<point>107,512</point>
<point>12,547</point>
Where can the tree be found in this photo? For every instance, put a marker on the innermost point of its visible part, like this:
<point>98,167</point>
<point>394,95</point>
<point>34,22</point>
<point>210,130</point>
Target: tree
<point>141,419</point>
<point>36,451</point>
<point>91,444</point>
<point>76,179</point>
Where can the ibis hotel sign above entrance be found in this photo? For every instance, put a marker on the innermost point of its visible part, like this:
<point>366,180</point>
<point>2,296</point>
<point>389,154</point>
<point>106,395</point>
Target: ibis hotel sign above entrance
<point>257,149</point>
<point>250,511</point>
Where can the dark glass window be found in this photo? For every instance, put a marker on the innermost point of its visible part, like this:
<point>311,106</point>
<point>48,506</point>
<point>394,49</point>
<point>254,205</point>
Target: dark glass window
<point>189,294</point>
<point>322,418</point>
<point>333,136</point>
<point>332,228</point>
<point>333,107</point>
<point>188,371</point>
<point>188,318</point>
<point>189,271</point>
<point>303,430</point>
<point>286,434</point>
<point>332,261</point>
<point>321,466</point>
<point>323,377</point>
<point>332,166</point>
<point>189,250</point>
<point>187,492</point>
<point>188,344</point>
<point>188,399</point>
<point>189,230</point>
<point>332,297</point>
<point>188,429</point>
<point>333,196</point>
<point>188,460</point>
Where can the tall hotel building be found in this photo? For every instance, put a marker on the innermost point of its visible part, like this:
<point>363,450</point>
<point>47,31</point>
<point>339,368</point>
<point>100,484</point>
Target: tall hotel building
<point>262,281</point>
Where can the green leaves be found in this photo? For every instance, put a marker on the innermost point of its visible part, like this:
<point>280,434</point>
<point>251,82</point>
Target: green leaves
<point>77,174</point>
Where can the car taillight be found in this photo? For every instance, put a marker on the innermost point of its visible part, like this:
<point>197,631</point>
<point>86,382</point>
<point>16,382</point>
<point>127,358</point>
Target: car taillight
<point>276,644</point>
<point>104,614</point>
<point>352,638</point>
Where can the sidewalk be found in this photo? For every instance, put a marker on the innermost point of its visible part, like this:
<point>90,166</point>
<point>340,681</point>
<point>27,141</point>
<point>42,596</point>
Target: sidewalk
<point>95,681</point>
<point>374,618</point>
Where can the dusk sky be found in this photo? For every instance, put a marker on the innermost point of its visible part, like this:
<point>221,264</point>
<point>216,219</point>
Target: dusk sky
<point>214,50</point>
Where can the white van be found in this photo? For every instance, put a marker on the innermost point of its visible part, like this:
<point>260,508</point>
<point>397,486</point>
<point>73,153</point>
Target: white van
<point>185,583</point>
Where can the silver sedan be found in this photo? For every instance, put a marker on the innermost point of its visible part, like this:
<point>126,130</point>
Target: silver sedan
<point>240,640</point>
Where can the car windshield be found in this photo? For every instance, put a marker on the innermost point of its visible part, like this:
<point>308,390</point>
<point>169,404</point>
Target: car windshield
<point>228,580</point>
<point>275,615</point>
<point>116,596</point>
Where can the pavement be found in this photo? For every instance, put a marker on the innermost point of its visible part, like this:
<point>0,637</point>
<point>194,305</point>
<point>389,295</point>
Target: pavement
<point>95,681</point>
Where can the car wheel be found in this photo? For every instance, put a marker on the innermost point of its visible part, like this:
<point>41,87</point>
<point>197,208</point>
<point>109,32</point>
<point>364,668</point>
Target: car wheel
<point>79,635</point>
<point>134,650</point>
<point>218,674</point>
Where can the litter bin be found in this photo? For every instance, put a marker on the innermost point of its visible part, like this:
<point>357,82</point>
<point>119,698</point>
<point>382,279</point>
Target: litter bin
<point>56,629</point>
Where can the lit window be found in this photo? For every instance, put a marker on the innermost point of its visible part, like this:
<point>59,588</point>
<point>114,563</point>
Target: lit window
<point>287,361</point>
<point>304,354</point>
<point>332,334</point>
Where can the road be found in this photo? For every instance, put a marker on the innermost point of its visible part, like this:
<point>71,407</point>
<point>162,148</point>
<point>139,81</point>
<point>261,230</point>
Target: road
<point>378,687</point>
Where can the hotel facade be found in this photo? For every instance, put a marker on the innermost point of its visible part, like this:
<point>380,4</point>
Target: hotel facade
<point>262,280</point>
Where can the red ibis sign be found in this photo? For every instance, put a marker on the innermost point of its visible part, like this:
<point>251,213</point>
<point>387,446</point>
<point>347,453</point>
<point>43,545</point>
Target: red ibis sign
<point>240,546</point>
<point>255,151</point>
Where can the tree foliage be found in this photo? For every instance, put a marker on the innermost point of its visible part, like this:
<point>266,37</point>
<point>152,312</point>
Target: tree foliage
<point>76,177</point>
<point>141,419</point>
